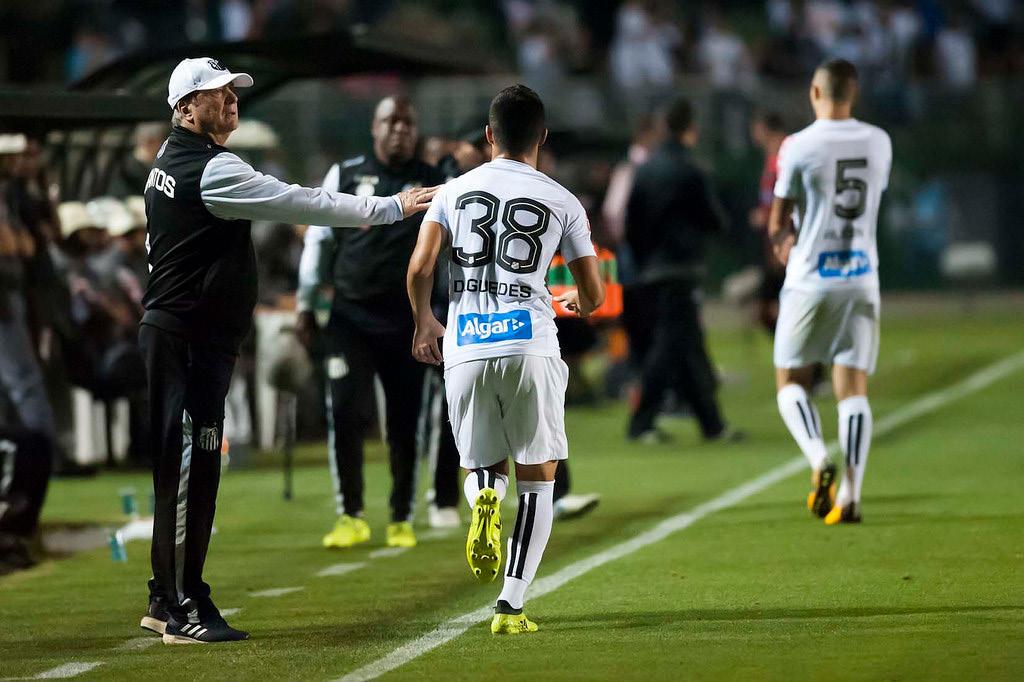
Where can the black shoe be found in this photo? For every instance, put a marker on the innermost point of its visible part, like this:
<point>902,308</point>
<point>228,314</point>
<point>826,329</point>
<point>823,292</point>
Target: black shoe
<point>727,435</point>
<point>193,629</point>
<point>156,616</point>
<point>15,554</point>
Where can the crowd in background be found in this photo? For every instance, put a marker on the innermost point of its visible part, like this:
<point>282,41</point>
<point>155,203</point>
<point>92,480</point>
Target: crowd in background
<point>640,44</point>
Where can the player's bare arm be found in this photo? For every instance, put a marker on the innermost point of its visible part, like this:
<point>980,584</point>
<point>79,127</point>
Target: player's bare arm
<point>416,199</point>
<point>780,228</point>
<point>420,283</point>
<point>589,292</point>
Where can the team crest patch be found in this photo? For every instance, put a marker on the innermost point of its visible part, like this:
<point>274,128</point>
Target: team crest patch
<point>494,327</point>
<point>843,264</point>
<point>209,438</point>
<point>215,65</point>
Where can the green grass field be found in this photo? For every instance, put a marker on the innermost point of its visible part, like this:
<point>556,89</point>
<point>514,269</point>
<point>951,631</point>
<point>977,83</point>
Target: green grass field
<point>930,586</point>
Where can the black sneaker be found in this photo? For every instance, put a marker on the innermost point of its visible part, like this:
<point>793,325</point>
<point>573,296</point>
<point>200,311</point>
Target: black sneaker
<point>156,616</point>
<point>201,630</point>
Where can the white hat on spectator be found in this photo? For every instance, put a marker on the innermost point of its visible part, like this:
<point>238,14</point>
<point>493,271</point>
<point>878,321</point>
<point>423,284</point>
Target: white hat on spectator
<point>111,214</point>
<point>13,144</point>
<point>74,216</point>
<point>137,207</point>
<point>201,73</point>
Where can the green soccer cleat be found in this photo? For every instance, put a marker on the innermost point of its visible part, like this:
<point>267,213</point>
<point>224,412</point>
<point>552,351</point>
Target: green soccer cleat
<point>511,624</point>
<point>400,534</point>
<point>821,499</point>
<point>483,544</point>
<point>348,532</point>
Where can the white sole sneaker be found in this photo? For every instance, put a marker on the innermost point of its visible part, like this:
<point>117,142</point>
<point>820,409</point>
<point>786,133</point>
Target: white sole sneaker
<point>153,624</point>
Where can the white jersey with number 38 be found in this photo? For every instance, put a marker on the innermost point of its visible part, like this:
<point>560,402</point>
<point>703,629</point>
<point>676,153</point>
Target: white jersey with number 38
<point>506,221</point>
<point>837,170</point>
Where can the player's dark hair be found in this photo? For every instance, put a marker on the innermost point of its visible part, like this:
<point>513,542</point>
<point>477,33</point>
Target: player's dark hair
<point>772,121</point>
<point>840,80</point>
<point>679,116</point>
<point>516,118</point>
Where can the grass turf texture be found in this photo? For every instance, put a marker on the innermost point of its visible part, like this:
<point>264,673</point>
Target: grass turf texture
<point>930,586</point>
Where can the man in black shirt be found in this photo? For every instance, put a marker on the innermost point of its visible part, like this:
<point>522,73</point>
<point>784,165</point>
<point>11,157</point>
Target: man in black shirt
<point>670,213</point>
<point>370,328</point>
<point>200,199</point>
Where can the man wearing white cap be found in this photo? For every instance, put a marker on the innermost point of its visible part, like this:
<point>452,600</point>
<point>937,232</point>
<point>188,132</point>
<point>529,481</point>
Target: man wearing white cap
<point>198,307</point>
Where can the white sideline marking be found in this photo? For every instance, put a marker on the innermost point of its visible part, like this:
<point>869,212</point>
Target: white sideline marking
<point>339,569</point>
<point>276,592</point>
<point>450,629</point>
<point>138,643</point>
<point>62,672</point>
<point>388,552</point>
<point>230,612</point>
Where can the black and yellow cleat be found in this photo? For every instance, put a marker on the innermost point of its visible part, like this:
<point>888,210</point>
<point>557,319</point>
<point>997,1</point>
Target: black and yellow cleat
<point>509,621</point>
<point>483,544</point>
<point>849,513</point>
<point>821,499</point>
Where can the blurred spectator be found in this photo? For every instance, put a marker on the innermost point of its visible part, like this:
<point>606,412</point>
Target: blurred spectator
<point>130,178</point>
<point>956,57</point>
<point>642,57</point>
<point>724,57</point>
<point>767,132</point>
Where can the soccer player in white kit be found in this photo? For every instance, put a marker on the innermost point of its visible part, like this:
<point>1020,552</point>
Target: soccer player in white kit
<point>833,173</point>
<point>504,377</point>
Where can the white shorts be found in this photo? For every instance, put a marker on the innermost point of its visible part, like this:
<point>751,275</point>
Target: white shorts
<point>838,327</point>
<point>512,406</point>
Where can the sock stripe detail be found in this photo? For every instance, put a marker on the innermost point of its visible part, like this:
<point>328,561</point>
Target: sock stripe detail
<point>480,479</point>
<point>849,441</point>
<point>527,532</point>
<point>815,419</point>
<point>803,416</point>
<point>491,479</point>
<point>513,553</point>
<point>856,449</point>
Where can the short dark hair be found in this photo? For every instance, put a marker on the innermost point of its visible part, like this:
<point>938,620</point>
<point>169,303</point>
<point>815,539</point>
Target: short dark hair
<point>840,79</point>
<point>679,116</point>
<point>772,120</point>
<point>516,118</point>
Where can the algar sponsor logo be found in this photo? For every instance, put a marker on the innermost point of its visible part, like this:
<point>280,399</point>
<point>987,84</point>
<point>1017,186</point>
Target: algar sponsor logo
<point>494,327</point>
<point>843,264</point>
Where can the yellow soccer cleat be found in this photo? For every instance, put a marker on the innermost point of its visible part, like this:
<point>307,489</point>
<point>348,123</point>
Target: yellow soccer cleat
<point>483,544</point>
<point>849,513</point>
<point>511,624</point>
<point>400,534</point>
<point>348,532</point>
<point>821,499</point>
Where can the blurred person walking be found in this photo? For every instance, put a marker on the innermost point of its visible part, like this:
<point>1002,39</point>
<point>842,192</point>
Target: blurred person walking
<point>200,199</point>
<point>670,212</point>
<point>26,448</point>
<point>767,131</point>
<point>370,328</point>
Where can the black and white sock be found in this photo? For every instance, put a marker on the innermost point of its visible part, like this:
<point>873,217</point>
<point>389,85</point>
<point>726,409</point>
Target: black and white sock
<point>855,425</point>
<point>528,539</point>
<point>803,422</point>
<point>478,479</point>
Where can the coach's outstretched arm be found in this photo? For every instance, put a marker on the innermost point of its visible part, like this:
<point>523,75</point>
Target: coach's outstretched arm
<point>589,292</point>
<point>419,281</point>
<point>232,189</point>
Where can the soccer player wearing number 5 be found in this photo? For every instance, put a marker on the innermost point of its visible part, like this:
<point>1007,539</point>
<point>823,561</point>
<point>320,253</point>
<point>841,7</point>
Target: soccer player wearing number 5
<point>504,377</point>
<point>835,170</point>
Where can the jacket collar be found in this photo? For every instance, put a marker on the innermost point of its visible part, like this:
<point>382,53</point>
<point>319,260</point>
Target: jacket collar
<point>194,138</point>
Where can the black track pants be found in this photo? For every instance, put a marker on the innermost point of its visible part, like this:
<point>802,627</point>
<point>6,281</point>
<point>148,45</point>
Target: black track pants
<point>354,356</point>
<point>187,387</point>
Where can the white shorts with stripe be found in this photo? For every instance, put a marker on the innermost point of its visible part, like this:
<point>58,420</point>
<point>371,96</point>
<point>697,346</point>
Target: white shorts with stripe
<point>505,407</point>
<point>830,327</point>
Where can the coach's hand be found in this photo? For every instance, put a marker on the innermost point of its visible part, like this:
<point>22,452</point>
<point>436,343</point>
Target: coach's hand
<point>424,341</point>
<point>570,300</point>
<point>306,328</point>
<point>416,199</point>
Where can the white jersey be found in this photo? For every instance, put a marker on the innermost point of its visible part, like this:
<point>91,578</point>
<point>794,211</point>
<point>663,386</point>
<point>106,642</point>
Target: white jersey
<point>838,171</point>
<point>506,220</point>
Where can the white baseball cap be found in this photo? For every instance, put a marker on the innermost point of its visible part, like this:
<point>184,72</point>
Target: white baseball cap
<point>201,73</point>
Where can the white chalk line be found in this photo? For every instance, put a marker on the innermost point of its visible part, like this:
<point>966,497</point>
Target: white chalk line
<point>275,592</point>
<point>454,627</point>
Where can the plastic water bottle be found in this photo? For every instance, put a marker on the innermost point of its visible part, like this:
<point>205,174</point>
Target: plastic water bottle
<point>128,505</point>
<point>117,548</point>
